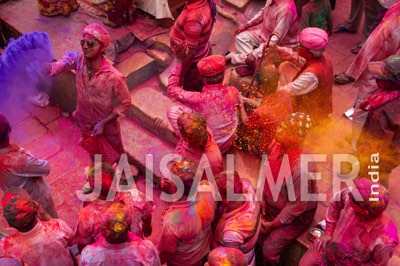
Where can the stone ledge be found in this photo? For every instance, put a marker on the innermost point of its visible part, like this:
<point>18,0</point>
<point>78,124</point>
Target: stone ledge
<point>138,143</point>
<point>239,4</point>
<point>137,69</point>
<point>149,104</point>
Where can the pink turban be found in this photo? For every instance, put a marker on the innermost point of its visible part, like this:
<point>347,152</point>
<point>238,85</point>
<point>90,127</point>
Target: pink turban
<point>211,65</point>
<point>375,208</point>
<point>314,39</point>
<point>98,32</point>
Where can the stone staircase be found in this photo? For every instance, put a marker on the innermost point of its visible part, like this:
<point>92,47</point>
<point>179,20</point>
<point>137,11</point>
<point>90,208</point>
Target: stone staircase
<point>146,72</point>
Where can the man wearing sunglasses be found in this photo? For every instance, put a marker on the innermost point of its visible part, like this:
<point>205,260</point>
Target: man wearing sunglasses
<point>98,83</point>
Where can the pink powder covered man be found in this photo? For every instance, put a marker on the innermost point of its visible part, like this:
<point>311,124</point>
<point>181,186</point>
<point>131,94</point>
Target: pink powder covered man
<point>195,138</point>
<point>362,224</point>
<point>279,23</point>
<point>20,169</point>
<point>216,102</point>
<point>286,211</point>
<point>94,213</point>
<point>186,225</point>
<point>383,42</point>
<point>307,74</point>
<point>239,224</point>
<point>117,246</point>
<point>36,242</point>
<point>98,84</point>
<point>193,29</point>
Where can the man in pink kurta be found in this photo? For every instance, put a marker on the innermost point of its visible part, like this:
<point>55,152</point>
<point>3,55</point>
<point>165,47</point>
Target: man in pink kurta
<point>193,28</point>
<point>117,246</point>
<point>239,224</point>
<point>36,242</point>
<point>188,147</point>
<point>287,212</point>
<point>20,169</point>
<point>363,225</point>
<point>217,103</point>
<point>186,225</point>
<point>383,42</point>
<point>97,87</point>
<point>279,23</point>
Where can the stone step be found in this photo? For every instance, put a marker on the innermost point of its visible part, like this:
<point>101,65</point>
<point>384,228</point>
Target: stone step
<point>163,59</point>
<point>159,42</point>
<point>137,69</point>
<point>149,105</point>
<point>239,4</point>
<point>140,144</point>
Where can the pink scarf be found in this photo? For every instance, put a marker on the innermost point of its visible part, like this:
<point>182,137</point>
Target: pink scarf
<point>379,98</point>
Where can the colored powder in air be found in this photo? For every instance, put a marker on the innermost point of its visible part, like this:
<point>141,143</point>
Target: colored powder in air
<point>23,71</point>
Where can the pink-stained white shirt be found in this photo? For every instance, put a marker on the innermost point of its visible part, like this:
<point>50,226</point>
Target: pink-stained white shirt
<point>374,240</point>
<point>17,165</point>
<point>91,217</point>
<point>305,82</point>
<point>95,96</point>
<point>132,253</point>
<point>279,18</point>
<point>186,230</point>
<point>240,228</point>
<point>216,103</point>
<point>212,151</point>
<point>46,244</point>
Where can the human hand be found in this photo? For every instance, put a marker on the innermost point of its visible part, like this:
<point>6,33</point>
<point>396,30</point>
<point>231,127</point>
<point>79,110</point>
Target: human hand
<point>181,50</point>
<point>251,61</point>
<point>168,186</point>
<point>320,243</point>
<point>240,99</point>
<point>98,129</point>
<point>241,28</point>
<point>266,227</point>
<point>41,213</point>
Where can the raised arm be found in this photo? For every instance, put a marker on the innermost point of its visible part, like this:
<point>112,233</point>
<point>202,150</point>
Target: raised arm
<point>66,63</point>
<point>175,91</point>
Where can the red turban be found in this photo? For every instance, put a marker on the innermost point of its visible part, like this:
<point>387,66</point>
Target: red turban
<point>314,39</point>
<point>212,65</point>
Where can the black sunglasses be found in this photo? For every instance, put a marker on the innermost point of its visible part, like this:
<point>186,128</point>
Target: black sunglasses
<point>90,44</point>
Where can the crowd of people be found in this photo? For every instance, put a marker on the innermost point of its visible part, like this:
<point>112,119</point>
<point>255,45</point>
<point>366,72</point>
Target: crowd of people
<point>221,221</point>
